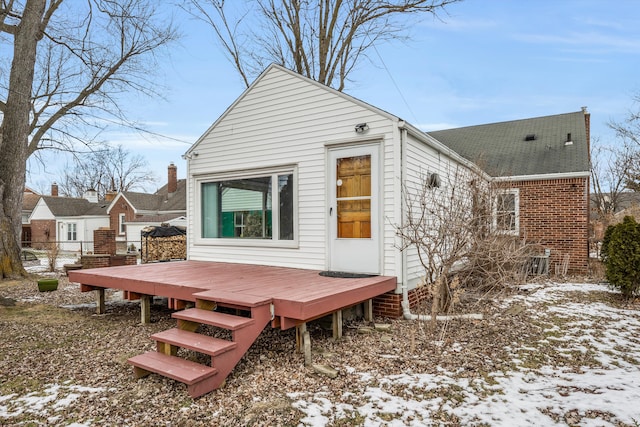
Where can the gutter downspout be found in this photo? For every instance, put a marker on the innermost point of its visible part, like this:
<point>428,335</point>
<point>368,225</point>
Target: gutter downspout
<point>406,309</point>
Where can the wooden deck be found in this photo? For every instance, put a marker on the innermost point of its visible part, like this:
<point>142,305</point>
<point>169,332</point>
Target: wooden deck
<point>260,295</point>
<point>297,295</point>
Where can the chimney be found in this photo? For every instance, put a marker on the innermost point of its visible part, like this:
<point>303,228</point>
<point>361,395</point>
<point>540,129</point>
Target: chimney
<point>587,125</point>
<point>91,195</point>
<point>172,183</point>
<point>54,189</point>
<point>110,195</point>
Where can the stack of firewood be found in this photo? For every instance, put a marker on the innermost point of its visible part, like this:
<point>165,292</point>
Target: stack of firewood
<point>163,248</point>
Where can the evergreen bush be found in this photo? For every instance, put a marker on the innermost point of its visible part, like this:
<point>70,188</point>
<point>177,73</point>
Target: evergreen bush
<point>621,256</point>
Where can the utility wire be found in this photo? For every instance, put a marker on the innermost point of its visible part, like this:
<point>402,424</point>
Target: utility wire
<point>404,100</point>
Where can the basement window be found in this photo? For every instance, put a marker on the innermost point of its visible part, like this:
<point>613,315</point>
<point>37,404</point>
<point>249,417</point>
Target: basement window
<point>506,218</point>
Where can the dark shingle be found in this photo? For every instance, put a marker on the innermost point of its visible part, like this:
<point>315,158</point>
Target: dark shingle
<point>508,148</point>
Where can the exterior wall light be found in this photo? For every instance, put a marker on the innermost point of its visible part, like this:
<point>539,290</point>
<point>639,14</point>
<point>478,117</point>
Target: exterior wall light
<point>362,127</point>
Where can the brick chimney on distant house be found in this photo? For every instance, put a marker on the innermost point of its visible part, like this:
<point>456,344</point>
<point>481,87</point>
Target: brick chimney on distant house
<point>110,195</point>
<point>172,182</point>
<point>54,189</point>
<point>587,124</point>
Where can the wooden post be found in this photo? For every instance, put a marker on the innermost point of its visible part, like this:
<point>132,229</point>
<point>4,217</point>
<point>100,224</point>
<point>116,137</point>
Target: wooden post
<point>337,325</point>
<point>145,308</point>
<point>368,310</point>
<point>307,348</point>
<point>300,330</point>
<point>100,307</point>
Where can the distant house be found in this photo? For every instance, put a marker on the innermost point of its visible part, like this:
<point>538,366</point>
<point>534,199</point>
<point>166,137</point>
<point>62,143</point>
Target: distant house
<point>69,221</point>
<point>297,174</point>
<point>29,200</point>
<point>129,212</point>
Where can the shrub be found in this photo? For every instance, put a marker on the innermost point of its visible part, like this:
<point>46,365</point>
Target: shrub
<point>621,256</point>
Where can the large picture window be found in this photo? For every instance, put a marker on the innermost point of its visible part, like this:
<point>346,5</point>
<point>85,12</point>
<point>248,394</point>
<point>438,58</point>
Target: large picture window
<point>507,215</point>
<point>257,207</point>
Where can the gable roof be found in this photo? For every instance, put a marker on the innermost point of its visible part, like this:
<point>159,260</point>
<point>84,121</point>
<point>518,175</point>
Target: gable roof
<point>160,201</point>
<point>527,147</point>
<point>70,206</point>
<point>279,68</point>
<point>29,201</point>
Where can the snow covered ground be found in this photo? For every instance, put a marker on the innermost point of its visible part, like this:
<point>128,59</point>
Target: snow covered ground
<point>605,392</point>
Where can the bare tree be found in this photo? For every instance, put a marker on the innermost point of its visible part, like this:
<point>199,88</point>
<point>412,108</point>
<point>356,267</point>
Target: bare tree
<point>323,40</point>
<point>107,169</point>
<point>461,235</point>
<point>70,64</point>
<point>610,169</point>
<point>628,131</point>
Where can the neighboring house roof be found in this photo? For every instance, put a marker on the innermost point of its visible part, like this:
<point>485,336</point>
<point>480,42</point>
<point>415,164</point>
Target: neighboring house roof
<point>527,147</point>
<point>70,206</point>
<point>157,218</point>
<point>160,201</point>
<point>29,201</point>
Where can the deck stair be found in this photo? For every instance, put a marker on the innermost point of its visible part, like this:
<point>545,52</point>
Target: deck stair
<point>225,355</point>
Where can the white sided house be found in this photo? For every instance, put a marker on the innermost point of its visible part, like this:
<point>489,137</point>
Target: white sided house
<point>297,174</point>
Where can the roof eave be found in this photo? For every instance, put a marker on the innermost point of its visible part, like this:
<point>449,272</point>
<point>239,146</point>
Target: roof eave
<point>543,176</point>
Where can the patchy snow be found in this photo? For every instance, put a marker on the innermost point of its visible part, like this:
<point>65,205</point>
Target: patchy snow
<point>603,392</point>
<point>46,403</point>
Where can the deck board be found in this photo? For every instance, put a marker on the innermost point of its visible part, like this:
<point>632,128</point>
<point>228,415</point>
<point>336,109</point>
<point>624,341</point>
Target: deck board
<point>297,294</point>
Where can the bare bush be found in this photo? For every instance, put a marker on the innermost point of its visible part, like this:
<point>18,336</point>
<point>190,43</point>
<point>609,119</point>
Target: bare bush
<point>462,235</point>
<point>53,251</point>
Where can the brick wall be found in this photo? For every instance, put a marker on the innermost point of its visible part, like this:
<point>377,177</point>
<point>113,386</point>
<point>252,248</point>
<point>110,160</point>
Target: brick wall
<point>121,206</point>
<point>104,241</point>
<point>390,304</point>
<point>95,261</point>
<point>105,260</point>
<point>42,230</point>
<point>554,213</point>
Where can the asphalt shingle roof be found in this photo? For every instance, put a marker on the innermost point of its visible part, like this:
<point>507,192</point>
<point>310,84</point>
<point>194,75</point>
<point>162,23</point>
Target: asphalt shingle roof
<point>159,201</point>
<point>70,206</point>
<point>501,149</point>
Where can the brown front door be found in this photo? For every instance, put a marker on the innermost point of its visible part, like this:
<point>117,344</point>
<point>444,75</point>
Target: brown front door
<point>353,187</point>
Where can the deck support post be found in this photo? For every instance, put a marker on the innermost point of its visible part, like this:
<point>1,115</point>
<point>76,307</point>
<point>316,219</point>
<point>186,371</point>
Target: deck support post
<point>100,306</point>
<point>368,310</point>
<point>145,309</point>
<point>337,324</point>
<point>300,330</point>
<point>307,348</point>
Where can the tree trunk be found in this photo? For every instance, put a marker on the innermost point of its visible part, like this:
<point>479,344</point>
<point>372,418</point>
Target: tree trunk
<point>14,133</point>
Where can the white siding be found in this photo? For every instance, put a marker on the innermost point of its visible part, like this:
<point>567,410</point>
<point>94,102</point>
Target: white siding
<point>421,160</point>
<point>286,120</point>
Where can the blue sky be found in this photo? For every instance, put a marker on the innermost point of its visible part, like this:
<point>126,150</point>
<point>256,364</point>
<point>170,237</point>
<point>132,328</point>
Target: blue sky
<point>487,61</point>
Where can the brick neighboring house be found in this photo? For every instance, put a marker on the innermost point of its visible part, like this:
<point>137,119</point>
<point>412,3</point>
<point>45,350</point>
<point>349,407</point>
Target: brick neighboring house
<point>69,221</point>
<point>544,163</point>
<point>129,212</point>
<point>29,200</point>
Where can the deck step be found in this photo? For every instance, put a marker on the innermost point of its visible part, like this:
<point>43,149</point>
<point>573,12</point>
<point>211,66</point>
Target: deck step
<point>193,341</point>
<point>234,298</point>
<point>172,367</point>
<point>214,318</point>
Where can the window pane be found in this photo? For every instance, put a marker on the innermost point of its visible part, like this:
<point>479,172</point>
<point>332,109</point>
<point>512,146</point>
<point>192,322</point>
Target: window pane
<point>246,208</point>
<point>210,210</point>
<point>285,192</point>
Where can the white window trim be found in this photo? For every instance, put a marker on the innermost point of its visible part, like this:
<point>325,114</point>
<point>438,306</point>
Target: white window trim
<point>75,231</point>
<point>121,221</point>
<point>516,231</point>
<point>273,172</point>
